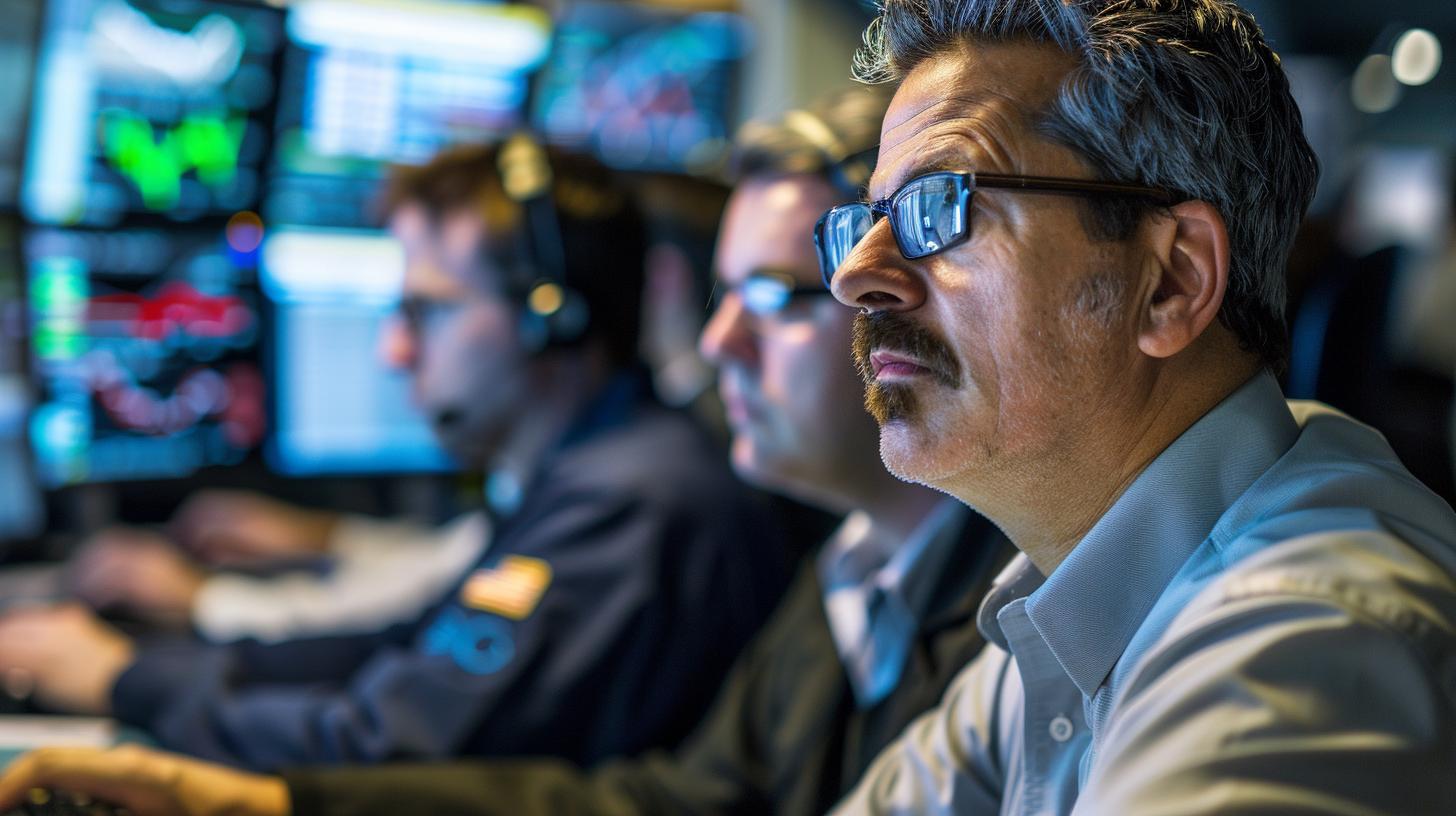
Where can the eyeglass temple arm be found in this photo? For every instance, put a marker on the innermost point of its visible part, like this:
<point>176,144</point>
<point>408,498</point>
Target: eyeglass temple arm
<point>1042,184</point>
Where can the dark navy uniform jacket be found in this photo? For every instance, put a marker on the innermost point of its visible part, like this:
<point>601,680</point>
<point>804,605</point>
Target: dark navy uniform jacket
<point>601,621</point>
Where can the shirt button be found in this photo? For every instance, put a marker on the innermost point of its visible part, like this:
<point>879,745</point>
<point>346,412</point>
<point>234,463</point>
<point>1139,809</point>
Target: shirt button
<point>1061,728</point>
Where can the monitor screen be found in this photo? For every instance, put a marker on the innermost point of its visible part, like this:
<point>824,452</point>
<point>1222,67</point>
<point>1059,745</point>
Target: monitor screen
<point>20,502</point>
<point>145,352</point>
<point>150,107</point>
<point>369,84</point>
<point>17,62</point>
<point>337,409</point>
<point>643,89</point>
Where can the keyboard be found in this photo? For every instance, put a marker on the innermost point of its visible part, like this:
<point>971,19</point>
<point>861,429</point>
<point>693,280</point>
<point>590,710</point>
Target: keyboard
<point>42,802</point>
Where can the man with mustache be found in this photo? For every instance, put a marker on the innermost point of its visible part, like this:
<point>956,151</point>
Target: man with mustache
<point>870,632</point>
<point>1071,277</point>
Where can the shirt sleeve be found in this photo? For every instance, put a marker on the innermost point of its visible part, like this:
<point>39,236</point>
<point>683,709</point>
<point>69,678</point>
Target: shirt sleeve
<point>383,573</point>
<point>1284,704</point>
<point>947,761</point>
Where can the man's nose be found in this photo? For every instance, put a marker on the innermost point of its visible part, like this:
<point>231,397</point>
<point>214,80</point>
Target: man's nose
<point>876,277</point>
<point>728,336</point>
<point>397,347</point>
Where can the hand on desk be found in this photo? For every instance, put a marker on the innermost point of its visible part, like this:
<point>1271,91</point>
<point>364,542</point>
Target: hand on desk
<point>139,572</point>
<point>146,782</point>
<point>70,656</point>
<point>233,527</point>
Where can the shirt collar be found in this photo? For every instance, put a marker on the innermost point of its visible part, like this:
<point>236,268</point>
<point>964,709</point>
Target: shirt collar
<point>916,567</point>
<point>1090,607</point>
<point>907,568</point>
<point>877,594</point>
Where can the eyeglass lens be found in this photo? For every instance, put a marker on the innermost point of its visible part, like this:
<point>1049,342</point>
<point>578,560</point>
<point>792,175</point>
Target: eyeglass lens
<point>927,215</point>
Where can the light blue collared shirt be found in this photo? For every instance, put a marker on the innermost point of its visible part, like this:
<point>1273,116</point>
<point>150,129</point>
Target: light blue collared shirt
<point>1264,622</point>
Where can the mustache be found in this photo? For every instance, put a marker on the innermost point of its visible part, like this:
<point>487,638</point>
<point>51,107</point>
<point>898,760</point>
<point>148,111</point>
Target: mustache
<point>893,331</point>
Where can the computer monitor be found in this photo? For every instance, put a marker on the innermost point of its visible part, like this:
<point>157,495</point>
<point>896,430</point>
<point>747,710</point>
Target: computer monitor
<point>17,63</point>
<point>644,89</point>
<point>144,344</point>
<point>21,514</point>
<point>370,84</point>
<point>337,409</point>
<point>150,108</point>
<point>21,508</point>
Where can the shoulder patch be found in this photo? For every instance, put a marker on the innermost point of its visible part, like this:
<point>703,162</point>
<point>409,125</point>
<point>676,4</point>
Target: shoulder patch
<point>510,589</point>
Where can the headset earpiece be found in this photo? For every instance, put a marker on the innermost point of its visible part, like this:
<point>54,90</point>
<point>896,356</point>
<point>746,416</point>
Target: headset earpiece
<point>553,313</point>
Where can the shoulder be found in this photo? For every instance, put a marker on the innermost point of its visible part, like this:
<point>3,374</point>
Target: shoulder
<point>647,497</point>
<point>1359,605</point>
<point>1367,574</point>
<point>659,455</point>
<point>1322,668</point>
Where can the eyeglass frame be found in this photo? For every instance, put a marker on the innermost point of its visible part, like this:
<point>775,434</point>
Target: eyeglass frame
<point>792,290</point>
<point>968,183</point>
<point>418,314</point>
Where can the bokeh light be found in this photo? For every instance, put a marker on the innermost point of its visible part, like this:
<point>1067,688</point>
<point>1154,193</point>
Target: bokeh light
<point>1417,57</point>
<point>1374,89</point>
<point>245,232</point>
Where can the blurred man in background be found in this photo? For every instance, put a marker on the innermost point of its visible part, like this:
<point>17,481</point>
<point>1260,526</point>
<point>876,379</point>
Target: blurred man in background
<point>620,584</point>
<point>235,564</point>
<point>869,633</point>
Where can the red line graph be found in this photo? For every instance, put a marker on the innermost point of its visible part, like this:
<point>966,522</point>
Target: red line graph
<point>176,307</point>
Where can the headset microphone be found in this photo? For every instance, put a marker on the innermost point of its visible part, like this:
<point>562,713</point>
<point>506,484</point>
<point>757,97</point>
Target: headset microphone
<point>448,417</point>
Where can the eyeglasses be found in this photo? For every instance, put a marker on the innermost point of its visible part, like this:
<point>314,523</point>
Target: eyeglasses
<point>932,213</point>
<point>421,314</point>
<point>766,292</point>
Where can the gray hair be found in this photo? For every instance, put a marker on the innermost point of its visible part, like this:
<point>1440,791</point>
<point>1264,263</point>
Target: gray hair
<point>1178,94</point>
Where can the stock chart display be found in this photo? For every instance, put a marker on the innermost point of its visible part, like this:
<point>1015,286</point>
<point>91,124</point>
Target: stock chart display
<point>369,84</point>
<point>150,107</point>
<point>150,123</point>
<point>143,345</point>
<point>643,89</point>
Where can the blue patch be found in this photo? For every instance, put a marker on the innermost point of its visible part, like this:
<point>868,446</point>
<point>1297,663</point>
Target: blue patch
<point>479,644</point>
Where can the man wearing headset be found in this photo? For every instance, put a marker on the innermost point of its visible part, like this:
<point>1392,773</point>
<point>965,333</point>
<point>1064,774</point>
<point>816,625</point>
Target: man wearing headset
<point>835,675</point>
<point>627,566</point>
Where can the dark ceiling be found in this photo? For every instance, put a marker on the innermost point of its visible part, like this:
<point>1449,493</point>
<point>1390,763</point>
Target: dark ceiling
<point>1349,28</point>
<point>1342,28</point>
<point>1345,32</point>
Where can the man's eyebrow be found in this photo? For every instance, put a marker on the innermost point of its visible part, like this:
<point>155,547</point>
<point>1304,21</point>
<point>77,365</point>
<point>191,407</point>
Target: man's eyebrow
<point>941,159</point>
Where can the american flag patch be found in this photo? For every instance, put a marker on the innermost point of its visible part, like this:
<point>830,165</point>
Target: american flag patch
<point>510,589</point>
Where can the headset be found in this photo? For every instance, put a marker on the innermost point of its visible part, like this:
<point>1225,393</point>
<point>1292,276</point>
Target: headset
<point>849,172</point>
<point>553,312</point>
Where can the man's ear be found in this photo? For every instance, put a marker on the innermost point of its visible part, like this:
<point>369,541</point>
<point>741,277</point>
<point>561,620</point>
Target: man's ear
<point>1191,252</point>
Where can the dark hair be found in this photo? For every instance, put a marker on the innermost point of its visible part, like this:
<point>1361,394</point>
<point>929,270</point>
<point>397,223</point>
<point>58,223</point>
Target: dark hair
<point>1178,94</point>
<point>603,239</point>
<point>817,140</point>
